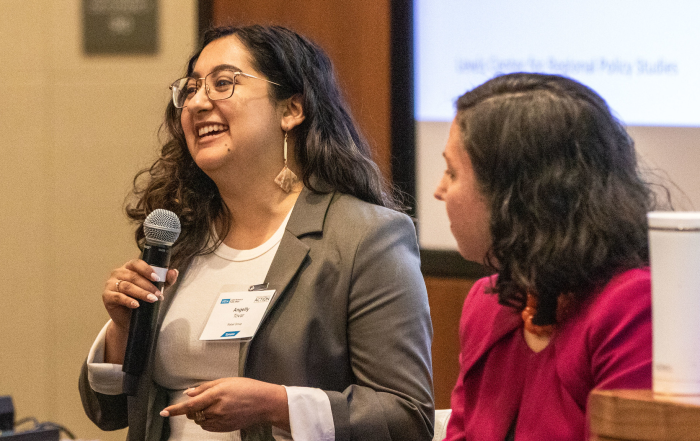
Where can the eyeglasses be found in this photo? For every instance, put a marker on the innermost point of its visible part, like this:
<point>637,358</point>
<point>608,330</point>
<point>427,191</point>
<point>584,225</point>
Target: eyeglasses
<point>218,85</point>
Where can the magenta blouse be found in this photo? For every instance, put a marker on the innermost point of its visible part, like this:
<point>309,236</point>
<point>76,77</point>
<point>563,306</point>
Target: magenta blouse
<point>606,344</point>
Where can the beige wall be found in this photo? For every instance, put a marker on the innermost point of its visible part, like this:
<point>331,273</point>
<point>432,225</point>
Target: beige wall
<point>73,132</point>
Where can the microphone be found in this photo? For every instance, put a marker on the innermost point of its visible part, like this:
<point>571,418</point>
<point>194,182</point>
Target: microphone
<point>162,228</point>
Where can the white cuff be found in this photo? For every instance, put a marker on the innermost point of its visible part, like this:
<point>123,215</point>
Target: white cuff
<point>310,416</point>
<point>105,378</point>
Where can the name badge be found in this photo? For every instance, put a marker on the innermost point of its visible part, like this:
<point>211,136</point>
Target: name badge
<point>237,315</point>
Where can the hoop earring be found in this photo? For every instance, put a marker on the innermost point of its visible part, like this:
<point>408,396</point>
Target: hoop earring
<point>286,179</point>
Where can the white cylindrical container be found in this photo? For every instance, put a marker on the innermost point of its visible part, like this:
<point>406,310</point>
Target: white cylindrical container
<point>674,245</point>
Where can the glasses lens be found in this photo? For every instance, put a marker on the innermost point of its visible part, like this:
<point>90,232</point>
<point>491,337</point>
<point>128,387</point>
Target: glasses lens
<point>220,84</point>
<point>183,90</point>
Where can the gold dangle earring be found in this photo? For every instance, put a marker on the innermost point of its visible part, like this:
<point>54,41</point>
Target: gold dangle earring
<point>286,179</point>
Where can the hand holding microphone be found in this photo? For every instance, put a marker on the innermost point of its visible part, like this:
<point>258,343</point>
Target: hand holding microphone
<point>130,297</point>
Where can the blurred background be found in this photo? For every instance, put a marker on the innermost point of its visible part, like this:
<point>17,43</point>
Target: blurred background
<point>77,123</point>
<point>74,130</point>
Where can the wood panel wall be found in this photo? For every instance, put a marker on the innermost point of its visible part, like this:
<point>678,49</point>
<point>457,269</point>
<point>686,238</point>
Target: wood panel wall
<point>446,297</point>
<point>356,35</point>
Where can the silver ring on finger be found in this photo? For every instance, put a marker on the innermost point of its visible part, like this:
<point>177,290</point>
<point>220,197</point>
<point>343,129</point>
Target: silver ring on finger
<point>117,284</point>
<point>199,417</point>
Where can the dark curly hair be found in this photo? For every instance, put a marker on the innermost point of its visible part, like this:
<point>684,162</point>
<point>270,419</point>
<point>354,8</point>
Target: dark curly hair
<point>560,176</point>
<point>330,151</point>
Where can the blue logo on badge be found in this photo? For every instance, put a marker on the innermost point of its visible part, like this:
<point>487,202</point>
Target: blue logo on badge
<point>230,333</point>
<point>225,301</point>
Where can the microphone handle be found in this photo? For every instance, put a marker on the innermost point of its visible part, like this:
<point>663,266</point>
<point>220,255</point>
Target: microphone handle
<point>143,321</point>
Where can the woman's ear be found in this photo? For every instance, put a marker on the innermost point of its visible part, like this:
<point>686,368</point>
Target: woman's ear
<point>293,113</point>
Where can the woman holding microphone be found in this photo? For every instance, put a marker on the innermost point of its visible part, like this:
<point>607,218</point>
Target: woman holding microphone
<point>275,190</point>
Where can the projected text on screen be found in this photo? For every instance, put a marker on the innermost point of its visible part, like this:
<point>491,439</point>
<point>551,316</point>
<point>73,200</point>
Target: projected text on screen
<point>643,57</point>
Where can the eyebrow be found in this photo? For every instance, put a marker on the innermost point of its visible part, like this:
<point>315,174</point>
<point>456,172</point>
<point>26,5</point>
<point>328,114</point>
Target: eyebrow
<point>448,161</point>
<point>218,68</point>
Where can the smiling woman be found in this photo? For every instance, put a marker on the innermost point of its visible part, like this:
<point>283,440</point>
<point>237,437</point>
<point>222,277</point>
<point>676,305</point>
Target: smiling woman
<point>252,125</point>
<point>276,190</point>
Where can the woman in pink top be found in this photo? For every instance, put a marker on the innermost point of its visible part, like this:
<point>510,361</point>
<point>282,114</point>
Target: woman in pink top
<point>542,185</point>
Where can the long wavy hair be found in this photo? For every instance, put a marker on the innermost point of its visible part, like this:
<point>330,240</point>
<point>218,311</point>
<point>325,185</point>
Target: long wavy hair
<point>560,176</point>
<point>330,151</point>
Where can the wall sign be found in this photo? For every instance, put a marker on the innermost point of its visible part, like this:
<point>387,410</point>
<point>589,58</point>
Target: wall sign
<point>120,26</point>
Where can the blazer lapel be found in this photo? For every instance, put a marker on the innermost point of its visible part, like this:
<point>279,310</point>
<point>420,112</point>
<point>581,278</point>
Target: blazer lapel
<point>307,217</point>
<point>493,321</point>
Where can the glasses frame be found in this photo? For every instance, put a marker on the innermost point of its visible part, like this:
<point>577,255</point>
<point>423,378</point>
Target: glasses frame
<point>203,80</point>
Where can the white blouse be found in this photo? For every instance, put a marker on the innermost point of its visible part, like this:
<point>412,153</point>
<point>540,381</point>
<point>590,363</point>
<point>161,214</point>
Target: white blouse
<point>183,361</point>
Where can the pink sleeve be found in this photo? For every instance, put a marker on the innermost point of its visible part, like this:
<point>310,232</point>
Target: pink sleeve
<point>455,426</point>
<point>620,337</point>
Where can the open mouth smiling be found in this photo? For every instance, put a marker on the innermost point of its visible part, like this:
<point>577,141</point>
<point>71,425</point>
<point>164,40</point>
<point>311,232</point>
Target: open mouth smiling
<point>211,130</point>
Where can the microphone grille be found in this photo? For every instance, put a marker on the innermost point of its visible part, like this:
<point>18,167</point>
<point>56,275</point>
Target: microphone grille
<point>161,227</point>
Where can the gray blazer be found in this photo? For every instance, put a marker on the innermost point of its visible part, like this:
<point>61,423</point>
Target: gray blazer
<point>350,316</point>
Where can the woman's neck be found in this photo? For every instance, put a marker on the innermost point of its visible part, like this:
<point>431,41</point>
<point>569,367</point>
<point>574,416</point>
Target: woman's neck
<point>257,211</point>
<point>536,342</point>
